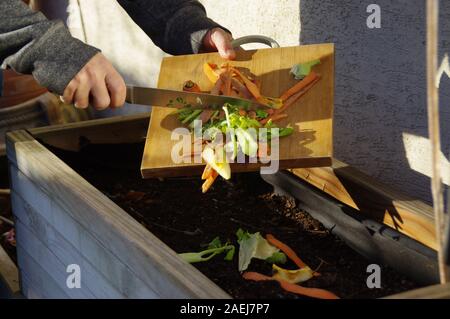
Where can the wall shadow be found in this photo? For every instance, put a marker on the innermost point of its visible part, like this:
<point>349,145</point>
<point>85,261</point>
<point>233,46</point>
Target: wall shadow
<point>380,90</point>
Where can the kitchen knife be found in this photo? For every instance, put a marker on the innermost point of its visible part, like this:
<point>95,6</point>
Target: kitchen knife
<point>172,98</point>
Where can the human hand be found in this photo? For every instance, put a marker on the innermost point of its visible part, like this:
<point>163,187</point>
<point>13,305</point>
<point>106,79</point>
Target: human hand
<point>219,40</point>
<point>98,84</point>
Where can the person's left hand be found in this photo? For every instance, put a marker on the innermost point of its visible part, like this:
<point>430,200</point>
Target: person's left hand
<point>219,40</point>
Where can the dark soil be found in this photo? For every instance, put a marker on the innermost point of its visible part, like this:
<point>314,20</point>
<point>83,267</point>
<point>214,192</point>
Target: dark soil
<point>178,213</point>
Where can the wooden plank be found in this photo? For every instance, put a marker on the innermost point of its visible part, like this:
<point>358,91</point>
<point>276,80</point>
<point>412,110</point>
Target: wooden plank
<point>37,283</point>
<point>158,266</point>
<point>9,276</point>
<point>434,132</point>
<point>114,130</point>
<point>440,291</point>
<point>36,250</point>
<point>374,199</point>
<point>45,239</point>
<point>36,205</point>
<point>29,291</point>
<point>311,117</point>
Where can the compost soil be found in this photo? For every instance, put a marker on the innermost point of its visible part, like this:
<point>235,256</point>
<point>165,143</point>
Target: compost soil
<point>176,211</point>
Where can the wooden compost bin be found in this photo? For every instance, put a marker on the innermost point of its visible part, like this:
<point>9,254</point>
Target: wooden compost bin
<point>61,219</point>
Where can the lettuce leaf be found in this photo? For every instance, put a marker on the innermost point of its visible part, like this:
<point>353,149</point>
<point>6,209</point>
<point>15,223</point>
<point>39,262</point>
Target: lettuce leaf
<point>277,258</point>
<point>255,246</point>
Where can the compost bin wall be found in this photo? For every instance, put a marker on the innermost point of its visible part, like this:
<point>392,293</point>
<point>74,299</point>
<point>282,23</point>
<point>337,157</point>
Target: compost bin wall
<point>74,242</point>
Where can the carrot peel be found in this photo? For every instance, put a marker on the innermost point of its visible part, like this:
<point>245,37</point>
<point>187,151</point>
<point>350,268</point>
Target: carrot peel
<point>252,87</point>
<point>190,86</point>
<point>299,86</point>
<point>286,249</point>
<point>211,72</point>
<point>293,288</point>
<point>209,181</point>
<point>293,98</point>
<point>207,171</point>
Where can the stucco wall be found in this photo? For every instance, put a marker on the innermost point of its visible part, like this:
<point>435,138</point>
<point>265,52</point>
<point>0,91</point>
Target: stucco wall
<point>108,27</point>
<point>380,111</point>
<point>276,19</point>
<point>380,103</point>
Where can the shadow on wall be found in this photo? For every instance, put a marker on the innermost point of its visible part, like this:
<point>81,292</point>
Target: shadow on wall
<point>380,91</point>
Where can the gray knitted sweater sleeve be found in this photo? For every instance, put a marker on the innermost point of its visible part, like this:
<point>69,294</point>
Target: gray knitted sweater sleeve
<point>29,43</point>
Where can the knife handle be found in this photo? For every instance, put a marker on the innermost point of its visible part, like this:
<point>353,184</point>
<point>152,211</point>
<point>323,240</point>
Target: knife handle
<point>255,39</point>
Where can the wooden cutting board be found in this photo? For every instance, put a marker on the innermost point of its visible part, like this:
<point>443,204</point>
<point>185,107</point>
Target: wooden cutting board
<point>311,117</point>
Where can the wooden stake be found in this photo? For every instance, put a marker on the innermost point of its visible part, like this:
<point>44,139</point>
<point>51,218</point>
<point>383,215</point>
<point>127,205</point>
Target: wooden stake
<point>5,192</point>
<point>434,131</point>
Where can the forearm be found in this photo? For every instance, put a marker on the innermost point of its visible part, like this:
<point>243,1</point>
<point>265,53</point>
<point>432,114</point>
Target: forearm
<point>176,26</point>
<point>29,43</point>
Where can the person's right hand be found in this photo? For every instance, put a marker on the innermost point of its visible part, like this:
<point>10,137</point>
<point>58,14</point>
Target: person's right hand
<point>98,84</point>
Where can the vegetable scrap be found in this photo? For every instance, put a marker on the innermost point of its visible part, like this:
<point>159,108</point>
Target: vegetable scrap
<point>240,125</point>
<point>290,287</point>
<point>270,250</point>
<point>289,279</point>
<point>293,276</point>
<point>286,249</point>
<point>190,86</point>
<point>214,248</point>
<point>255,246</point>
<point>303,69</point>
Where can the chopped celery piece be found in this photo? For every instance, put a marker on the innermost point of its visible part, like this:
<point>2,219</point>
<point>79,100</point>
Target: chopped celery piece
<point>247,141</point>
<point>192,116</point>
<point>262,114</point>
<point>215,247</point>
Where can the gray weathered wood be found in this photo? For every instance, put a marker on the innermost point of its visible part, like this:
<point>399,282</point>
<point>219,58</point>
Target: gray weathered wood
<point>29,291</point>
<point>53,246</point>
<point>38,280</point>
<point>35,205</point>
<point>157,265</point>
<point>441,291</point>
<point>54,268</point>
<point>116,130</point>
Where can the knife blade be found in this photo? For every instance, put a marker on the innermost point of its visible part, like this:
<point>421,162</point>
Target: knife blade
<point>173,98</point>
